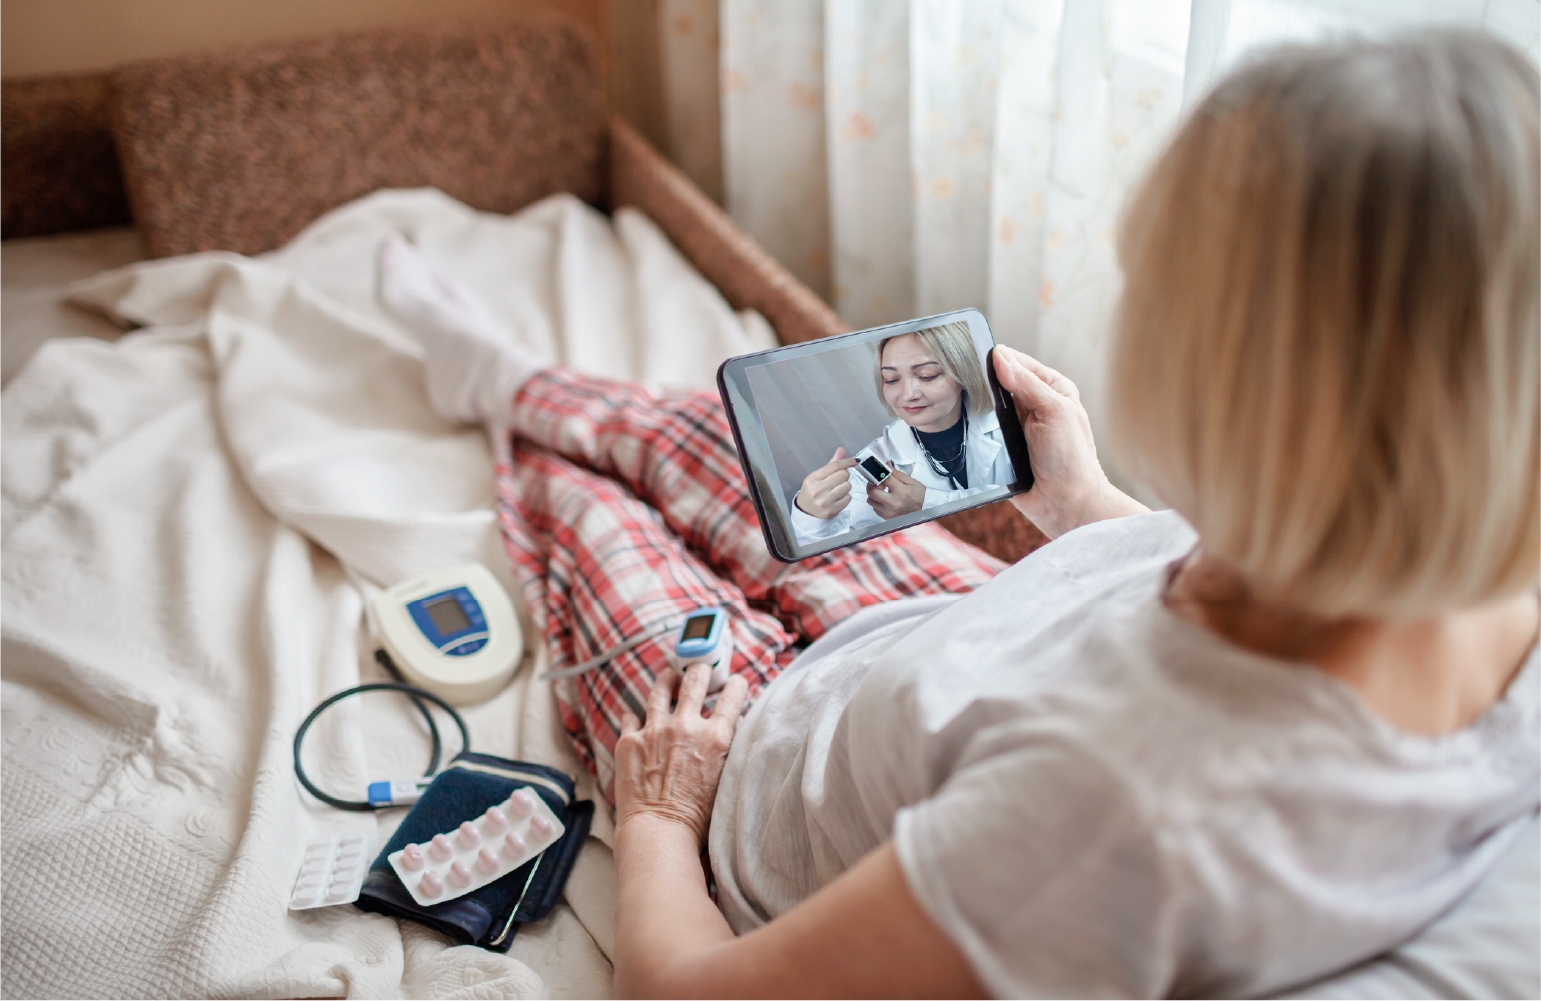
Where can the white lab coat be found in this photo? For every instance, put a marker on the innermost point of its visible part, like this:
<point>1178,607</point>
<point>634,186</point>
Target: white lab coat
<point>988,466</point>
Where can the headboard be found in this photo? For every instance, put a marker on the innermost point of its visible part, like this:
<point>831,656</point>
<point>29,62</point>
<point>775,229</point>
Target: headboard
<point>57,159</point>
<point>239,150</point>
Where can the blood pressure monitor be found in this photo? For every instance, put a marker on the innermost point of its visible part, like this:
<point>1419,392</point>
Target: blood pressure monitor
<point>452,631</point>
<point>704,638</point>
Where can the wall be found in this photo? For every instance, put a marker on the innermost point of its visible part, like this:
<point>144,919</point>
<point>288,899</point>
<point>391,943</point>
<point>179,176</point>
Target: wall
<point>79,36</point>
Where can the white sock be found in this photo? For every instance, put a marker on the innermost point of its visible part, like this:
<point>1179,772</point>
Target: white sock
<point>474,365</point>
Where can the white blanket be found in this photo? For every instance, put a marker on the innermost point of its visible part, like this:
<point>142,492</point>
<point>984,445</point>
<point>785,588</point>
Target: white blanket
<point>191,518</point>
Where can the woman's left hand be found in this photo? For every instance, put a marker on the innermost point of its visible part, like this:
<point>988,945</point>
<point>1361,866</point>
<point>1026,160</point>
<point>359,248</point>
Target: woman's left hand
<point>669,767</point>
<point>900,494</point>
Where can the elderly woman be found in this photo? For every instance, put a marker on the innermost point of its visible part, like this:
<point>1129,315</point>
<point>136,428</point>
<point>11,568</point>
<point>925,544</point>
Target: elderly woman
<point>1221,749</point>
<point>944,444</point>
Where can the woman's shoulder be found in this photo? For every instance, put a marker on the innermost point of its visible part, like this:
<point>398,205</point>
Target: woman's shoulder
<point>1111,546</point>
<point>897,444</point>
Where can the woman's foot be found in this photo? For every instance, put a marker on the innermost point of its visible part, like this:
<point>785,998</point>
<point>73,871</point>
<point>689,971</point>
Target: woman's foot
<point>474,365</point>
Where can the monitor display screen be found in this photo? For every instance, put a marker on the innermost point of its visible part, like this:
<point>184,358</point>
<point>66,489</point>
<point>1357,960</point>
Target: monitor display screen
<point>697,627</point>
<point>447,616</point>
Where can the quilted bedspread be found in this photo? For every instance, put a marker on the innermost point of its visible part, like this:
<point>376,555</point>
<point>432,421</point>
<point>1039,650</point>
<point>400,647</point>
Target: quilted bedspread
<point>192,519</point>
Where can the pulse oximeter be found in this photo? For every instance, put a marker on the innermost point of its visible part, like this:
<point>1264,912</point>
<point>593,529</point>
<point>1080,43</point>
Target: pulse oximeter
<point>704,638</point>
<point>871,468</point>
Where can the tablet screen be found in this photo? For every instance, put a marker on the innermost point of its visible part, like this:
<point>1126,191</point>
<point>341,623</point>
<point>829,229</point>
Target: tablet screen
<point>911,398</point>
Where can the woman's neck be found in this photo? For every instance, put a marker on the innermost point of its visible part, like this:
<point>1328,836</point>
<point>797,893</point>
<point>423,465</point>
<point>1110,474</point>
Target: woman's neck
<point>951,431</point>
<point>1427,676</point>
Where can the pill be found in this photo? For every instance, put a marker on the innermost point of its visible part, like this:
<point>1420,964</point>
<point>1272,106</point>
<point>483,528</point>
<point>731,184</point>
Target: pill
<point>331,870</point>
<point>474,853</point>
<point>430,885</point>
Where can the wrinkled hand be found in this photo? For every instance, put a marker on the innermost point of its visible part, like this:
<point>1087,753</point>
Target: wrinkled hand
<point>827,490</point>
<point>1069,487</point>
<point>669,767</point>
<point>899,494</point>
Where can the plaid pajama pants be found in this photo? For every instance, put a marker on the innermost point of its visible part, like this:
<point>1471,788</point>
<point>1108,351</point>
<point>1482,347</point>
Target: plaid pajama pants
<point>623,511</point>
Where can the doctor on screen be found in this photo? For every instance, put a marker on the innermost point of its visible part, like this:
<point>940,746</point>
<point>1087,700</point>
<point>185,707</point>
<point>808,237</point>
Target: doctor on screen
<point>945,444</point>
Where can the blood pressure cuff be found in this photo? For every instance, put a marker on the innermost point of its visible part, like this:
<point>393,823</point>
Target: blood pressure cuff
<point>489,916</point>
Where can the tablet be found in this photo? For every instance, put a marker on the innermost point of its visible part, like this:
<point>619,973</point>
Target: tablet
<point>850,437</point>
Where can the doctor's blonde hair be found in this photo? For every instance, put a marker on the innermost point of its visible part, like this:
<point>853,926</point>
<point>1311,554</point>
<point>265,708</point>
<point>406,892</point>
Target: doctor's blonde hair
<point>952,346</point>
<point>1326,350</point>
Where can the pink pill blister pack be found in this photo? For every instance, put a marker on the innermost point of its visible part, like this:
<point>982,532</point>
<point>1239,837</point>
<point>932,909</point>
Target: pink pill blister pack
<point>479,851</point>
<point>332,871</point>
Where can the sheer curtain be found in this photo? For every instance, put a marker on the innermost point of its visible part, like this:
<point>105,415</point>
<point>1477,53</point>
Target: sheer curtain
<point>907,157</point>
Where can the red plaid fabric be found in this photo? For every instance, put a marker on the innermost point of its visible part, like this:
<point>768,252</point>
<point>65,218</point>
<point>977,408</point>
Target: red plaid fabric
<point>623,511</point>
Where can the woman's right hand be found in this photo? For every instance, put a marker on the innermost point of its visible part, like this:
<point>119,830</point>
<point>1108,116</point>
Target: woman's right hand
<point>1069,487</point>
<point>827,490</point>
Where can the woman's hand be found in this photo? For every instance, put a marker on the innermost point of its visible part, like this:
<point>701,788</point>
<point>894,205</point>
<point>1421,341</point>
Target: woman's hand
<point>827,490</point>
<point>899,494</point>
<point>1069,487</point>
<point>669,767</point>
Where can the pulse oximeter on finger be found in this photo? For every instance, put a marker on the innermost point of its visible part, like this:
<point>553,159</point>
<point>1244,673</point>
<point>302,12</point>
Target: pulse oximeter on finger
<point>704,638</point>
<point>871,468</point>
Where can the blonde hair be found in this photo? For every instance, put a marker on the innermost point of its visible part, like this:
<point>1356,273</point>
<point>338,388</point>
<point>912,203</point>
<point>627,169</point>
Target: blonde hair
<point>952,346</point>
<point>1326,350</point>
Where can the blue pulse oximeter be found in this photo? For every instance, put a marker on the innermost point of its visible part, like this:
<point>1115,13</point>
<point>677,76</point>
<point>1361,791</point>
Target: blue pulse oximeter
<point>701,634</point>
<point>704,638</point>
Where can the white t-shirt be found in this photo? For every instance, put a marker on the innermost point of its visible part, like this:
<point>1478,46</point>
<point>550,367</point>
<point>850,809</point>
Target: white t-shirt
<point>1091,796</point>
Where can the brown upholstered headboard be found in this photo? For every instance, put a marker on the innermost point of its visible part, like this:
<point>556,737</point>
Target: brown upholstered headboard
<point>58,165</point>
<point>239,150</point>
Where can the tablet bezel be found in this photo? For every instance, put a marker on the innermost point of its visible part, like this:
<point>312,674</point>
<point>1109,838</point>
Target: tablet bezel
<point>755,454</point>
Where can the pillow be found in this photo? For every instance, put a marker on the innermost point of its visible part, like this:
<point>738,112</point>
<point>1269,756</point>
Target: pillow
<point>239,150</point>
<point>1487,946</point>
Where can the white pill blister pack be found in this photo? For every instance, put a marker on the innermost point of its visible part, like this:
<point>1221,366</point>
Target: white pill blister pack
<point>479,851</point>
<point>332,871</point>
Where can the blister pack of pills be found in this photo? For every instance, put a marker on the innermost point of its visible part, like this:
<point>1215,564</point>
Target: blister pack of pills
<point>332,871</point>
<point>479,851</point>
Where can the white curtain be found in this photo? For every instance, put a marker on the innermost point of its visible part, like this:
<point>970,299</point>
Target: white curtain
<point>908,157</point>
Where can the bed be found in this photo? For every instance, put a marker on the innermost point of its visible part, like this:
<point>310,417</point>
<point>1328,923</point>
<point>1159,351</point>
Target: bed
<point>194,512</point>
